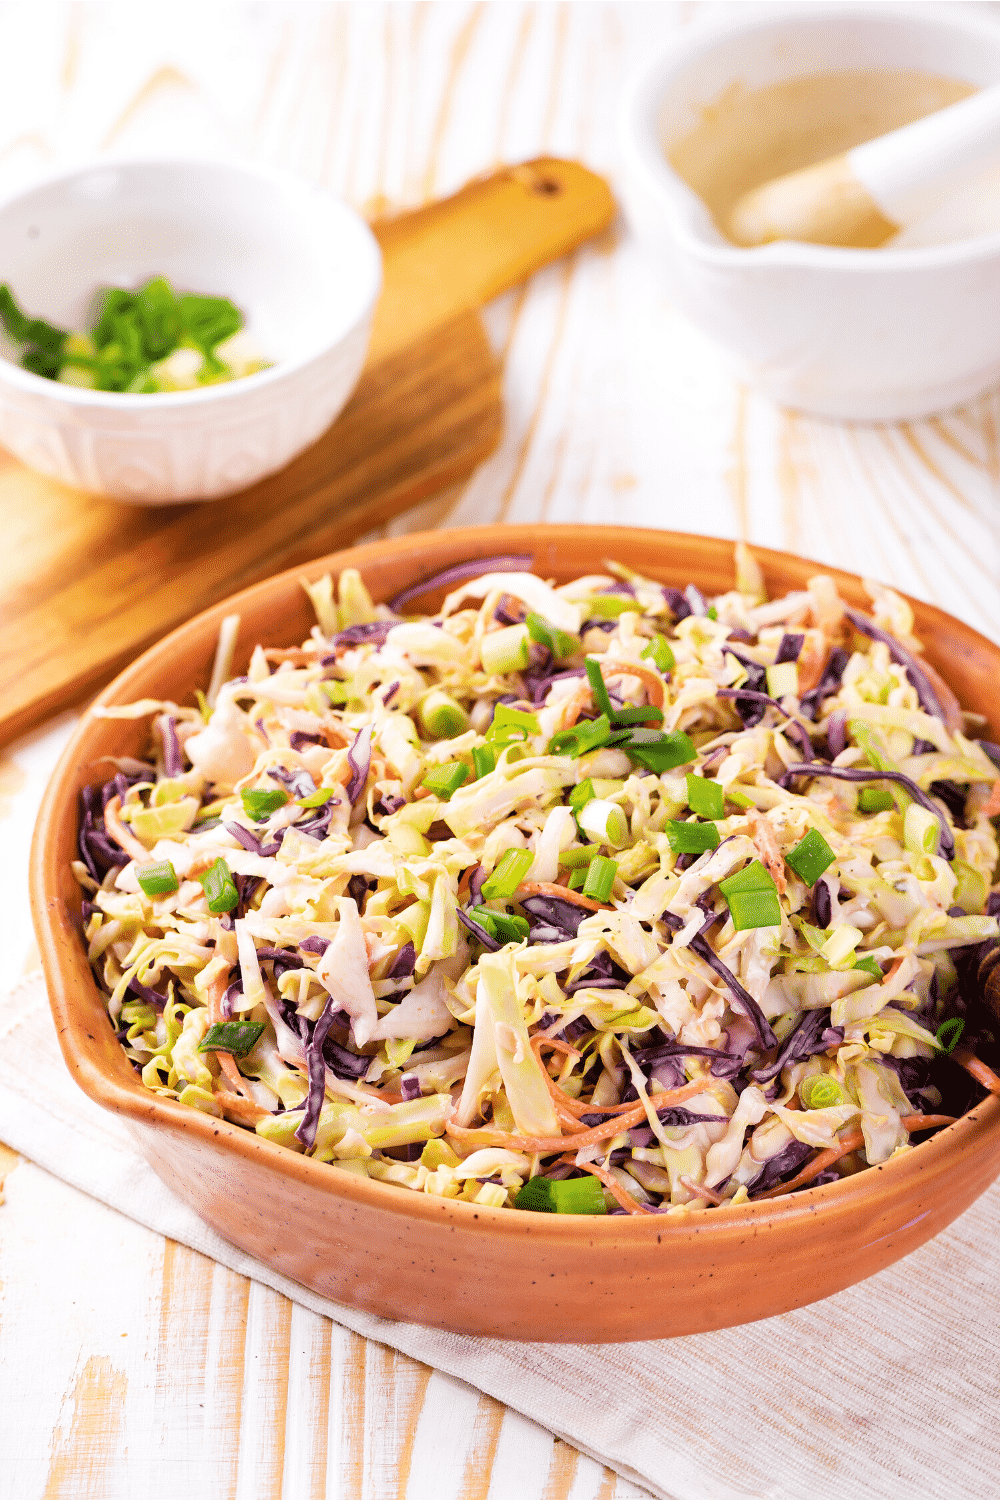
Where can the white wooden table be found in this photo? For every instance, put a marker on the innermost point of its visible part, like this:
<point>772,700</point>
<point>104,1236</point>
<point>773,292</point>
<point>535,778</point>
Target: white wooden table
<point>133,1367</point>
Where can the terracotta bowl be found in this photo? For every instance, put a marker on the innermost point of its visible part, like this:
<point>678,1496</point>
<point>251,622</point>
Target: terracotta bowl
<point>456,1265</point>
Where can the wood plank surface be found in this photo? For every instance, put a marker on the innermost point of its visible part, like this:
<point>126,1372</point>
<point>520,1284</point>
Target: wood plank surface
<point>88,583</point>
<point>615,410</point>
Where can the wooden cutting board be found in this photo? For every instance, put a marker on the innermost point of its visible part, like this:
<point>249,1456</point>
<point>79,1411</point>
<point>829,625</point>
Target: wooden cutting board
<point>87,583</point>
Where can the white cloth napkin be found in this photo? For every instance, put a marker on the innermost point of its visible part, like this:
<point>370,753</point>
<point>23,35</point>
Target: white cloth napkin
<point>888,1390</point>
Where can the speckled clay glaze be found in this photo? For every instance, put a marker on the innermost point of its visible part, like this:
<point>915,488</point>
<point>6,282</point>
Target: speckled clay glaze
<point>456,1265</point>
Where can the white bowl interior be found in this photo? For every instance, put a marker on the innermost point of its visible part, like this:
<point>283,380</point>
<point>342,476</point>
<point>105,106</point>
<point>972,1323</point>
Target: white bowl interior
<point>792,42</point>
<point>300,265</point>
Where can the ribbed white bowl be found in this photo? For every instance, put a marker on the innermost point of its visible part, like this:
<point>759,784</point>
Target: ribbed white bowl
<point>303,267</point>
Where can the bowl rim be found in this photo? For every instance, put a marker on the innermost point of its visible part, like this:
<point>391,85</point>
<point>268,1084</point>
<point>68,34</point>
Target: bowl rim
<point>62,953</point>
<point>352,224</point>
<point>641,148</point>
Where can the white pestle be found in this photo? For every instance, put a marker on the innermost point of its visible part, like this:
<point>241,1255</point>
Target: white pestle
<point>867,195</point>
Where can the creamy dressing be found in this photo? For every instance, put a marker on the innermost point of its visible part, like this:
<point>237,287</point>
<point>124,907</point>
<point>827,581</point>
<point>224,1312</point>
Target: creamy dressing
<point>749,136</point>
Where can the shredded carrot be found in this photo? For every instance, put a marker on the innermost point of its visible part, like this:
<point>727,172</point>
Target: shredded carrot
<point>812,660</point>
<point>845,1145</point>
<point>626,1201</point>
<point>992,805</point>
<point>463,884</point>
<point>701,1191</point>
<point>650,679</point>
<point>227,1063</point>
<point>979,1070</point>
<point>819,1163</point>
<point>766,844</point>
<point>549,888</point>
<point>575,1108</point>
<point>545,1145</point>
<point>121,835</point>
<point>244,1111</point>
<point>574,706</point>
<point>294,654</point>
<point>952,711</point>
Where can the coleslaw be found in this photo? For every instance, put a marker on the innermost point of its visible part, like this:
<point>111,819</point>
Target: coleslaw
<point>598,897</point>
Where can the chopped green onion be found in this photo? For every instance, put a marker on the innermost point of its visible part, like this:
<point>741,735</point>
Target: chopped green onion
<point>237,1037</point>
<point>739,798</point>
<point>545,633</point>
<point>820,1091</point>
<point>512,725</point>
<point>259,804</point>
<point>588,735</point>
<point>319,798</point>
<point>870,966</point>
<point>604,821</point>
<point>753,877</point>
<point>949,1034</point>
<point>574,1195</point>
<point>601,874</point>
<point>219,887</point>
<point>581,794</point>
<point>783,679</point>
<point>484,760</point>
<point>705,797</point>
<point>752,898</point>
<point>811,856</point>
<point>597,687</point>
<point>573,859</point>
<point>610,606</point>
<point>660,750</point>
<point>921,830</point>
<point>646,714</point>
<point>577,879</point>
<point>660,654</point>
<point>507,876</point>
<point>872,743</point>
<point>713,613</point>
<point>691,838</point>
<point>443,780</point>
<point>875,799</point>
<point>159,879</point>
<point>335,690</point>
<point>441,717</point>
<point>503,651</point>
<point>501,926</point>
<point>754,909</point>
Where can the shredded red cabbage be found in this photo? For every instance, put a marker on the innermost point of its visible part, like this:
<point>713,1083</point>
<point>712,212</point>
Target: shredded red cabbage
<point>479,933</point>
<point>791,727</point>
<point>805,1041</point>
<point>790,647</point>
<point>518,562</point>
<point>828,684</point>
<point>853,773</point>
<point>929,699</point>
<point>564,916</point>
<point>306,1132</point>
<point>173,764</point>
<point>404,963</point>
<point>676,603</point>
<point>836,734</point>
<point>359,758</point>
<point>373,634</point>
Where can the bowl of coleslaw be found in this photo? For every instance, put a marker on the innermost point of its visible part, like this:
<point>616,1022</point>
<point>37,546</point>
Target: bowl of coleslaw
<point>604,921</point>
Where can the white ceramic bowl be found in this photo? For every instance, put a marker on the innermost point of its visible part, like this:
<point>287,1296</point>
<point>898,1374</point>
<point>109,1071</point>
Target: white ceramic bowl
<point>858,334</point>
<point>303,267</point>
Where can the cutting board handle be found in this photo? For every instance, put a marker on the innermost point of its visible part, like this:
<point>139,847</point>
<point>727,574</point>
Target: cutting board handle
<point>455,254</point>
